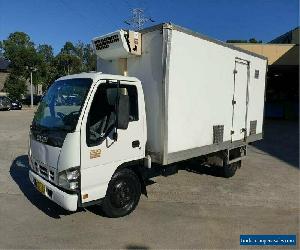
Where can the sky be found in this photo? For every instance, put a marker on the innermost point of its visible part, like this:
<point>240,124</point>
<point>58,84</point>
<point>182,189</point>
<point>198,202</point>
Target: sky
<point>56,21</point>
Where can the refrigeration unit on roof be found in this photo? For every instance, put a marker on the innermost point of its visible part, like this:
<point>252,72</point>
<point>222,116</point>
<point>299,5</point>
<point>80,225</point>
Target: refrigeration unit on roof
<point>118,44</point>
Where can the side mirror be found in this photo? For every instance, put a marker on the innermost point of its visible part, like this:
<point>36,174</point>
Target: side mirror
<point>123,112</point>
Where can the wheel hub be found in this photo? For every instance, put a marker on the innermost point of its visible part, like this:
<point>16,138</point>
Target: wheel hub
<point>122,195</point>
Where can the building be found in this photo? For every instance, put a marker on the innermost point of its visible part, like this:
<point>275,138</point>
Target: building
<point>3,73</point>
<point>282,93</point>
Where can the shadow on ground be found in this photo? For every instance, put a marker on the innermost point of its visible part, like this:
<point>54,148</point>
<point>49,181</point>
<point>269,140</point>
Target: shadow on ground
<point>19,172</point>
<point>97,210</point>
<point>281,140</point>
<point>195,167</point>
<point>137,247</point>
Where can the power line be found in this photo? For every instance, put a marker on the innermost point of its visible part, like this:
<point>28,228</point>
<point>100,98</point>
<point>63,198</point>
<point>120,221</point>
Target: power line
<point>138,19</point>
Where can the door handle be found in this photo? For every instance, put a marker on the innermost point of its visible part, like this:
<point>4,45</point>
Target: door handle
<point>136,144</point>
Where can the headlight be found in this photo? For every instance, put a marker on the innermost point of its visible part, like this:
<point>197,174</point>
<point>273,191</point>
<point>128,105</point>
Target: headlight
<point>69,179</point>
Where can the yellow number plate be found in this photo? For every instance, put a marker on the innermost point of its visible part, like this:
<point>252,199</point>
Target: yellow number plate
<point>40,186</point>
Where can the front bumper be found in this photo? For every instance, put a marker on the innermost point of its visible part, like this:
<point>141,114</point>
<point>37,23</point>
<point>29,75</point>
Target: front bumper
<point>65,200</point>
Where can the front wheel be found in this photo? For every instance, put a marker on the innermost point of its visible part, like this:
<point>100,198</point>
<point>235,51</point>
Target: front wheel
<point>122,195</point>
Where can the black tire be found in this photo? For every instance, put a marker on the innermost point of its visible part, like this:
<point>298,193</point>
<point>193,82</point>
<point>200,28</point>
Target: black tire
<point>122,195</point>
<point>230,169</point>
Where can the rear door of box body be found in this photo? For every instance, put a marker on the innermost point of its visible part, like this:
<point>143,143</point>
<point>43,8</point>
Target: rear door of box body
<point>240,100</point>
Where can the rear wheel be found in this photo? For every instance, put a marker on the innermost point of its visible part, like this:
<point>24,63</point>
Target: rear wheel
<point>230,169</point>
<point>122,195</point>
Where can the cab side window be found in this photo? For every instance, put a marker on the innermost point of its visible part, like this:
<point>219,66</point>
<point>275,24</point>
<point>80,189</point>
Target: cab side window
<point>133,102</point>
<point>101,119</point>
<point>102,115</point>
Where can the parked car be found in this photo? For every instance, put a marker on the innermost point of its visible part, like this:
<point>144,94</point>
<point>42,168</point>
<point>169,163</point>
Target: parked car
<point>5,103</point>
<point>27,100</point>
<point>15,104</point>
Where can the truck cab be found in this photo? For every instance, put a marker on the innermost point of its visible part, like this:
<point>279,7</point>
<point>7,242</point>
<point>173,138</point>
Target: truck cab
<point>87,133</point>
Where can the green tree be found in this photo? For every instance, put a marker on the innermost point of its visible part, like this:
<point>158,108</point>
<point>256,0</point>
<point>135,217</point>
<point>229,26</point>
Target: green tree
<point>236,41</point>
<point>67,61</point>
<point>79,52</point>
<point>89,58</point>
<point>253,40</point>
<point>47,71</point>
<point>46,51</point>
<point>1,49</point>
<point>67,64</point>
<point>15,86</point>
<point>20,51</point>
<point>68,48</point>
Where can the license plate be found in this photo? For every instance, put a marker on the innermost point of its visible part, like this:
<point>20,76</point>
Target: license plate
<point>40,186</point>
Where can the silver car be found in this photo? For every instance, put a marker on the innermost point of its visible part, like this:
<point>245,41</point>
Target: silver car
<point>5,103</point>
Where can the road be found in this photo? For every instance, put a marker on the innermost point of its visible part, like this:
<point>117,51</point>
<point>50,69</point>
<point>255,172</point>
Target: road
<point>195,208</point>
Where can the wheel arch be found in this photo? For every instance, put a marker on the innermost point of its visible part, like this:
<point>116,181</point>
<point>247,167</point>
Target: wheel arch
<point>137,167</point>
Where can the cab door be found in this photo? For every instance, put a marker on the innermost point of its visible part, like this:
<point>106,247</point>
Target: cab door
<point>103,147</point>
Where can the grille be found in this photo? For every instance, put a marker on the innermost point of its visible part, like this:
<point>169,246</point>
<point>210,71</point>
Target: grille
<point>44,171</point>
<point>51,175</point>
<point>218,132</point>
<point>253,125</point>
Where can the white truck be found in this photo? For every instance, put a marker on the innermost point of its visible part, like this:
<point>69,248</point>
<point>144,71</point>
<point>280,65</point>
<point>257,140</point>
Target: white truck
<point>164,95</point>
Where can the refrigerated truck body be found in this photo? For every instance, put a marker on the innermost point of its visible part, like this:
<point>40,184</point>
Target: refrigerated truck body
<point>161,96</point>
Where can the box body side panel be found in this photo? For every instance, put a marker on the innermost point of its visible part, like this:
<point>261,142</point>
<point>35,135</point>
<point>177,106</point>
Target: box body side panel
<point>201,87</point>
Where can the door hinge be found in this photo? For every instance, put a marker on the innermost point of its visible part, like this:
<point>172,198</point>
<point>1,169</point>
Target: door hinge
<point>231,132</point>
<point>234,71</point>
<point>233,102</point>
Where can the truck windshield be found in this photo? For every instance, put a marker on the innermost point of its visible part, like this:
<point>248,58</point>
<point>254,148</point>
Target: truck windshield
<point>60,107</point>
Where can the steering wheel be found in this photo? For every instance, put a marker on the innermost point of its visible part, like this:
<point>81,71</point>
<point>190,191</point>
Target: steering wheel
<point>71,117</point>
<point>61,115</point>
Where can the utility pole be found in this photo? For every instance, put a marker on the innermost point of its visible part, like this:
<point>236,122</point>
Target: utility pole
<point>138,19</point>
<point>32,69</point>
<point>31,90</point>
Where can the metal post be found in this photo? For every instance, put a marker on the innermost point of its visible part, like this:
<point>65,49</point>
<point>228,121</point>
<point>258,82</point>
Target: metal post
<point>31,89</point>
